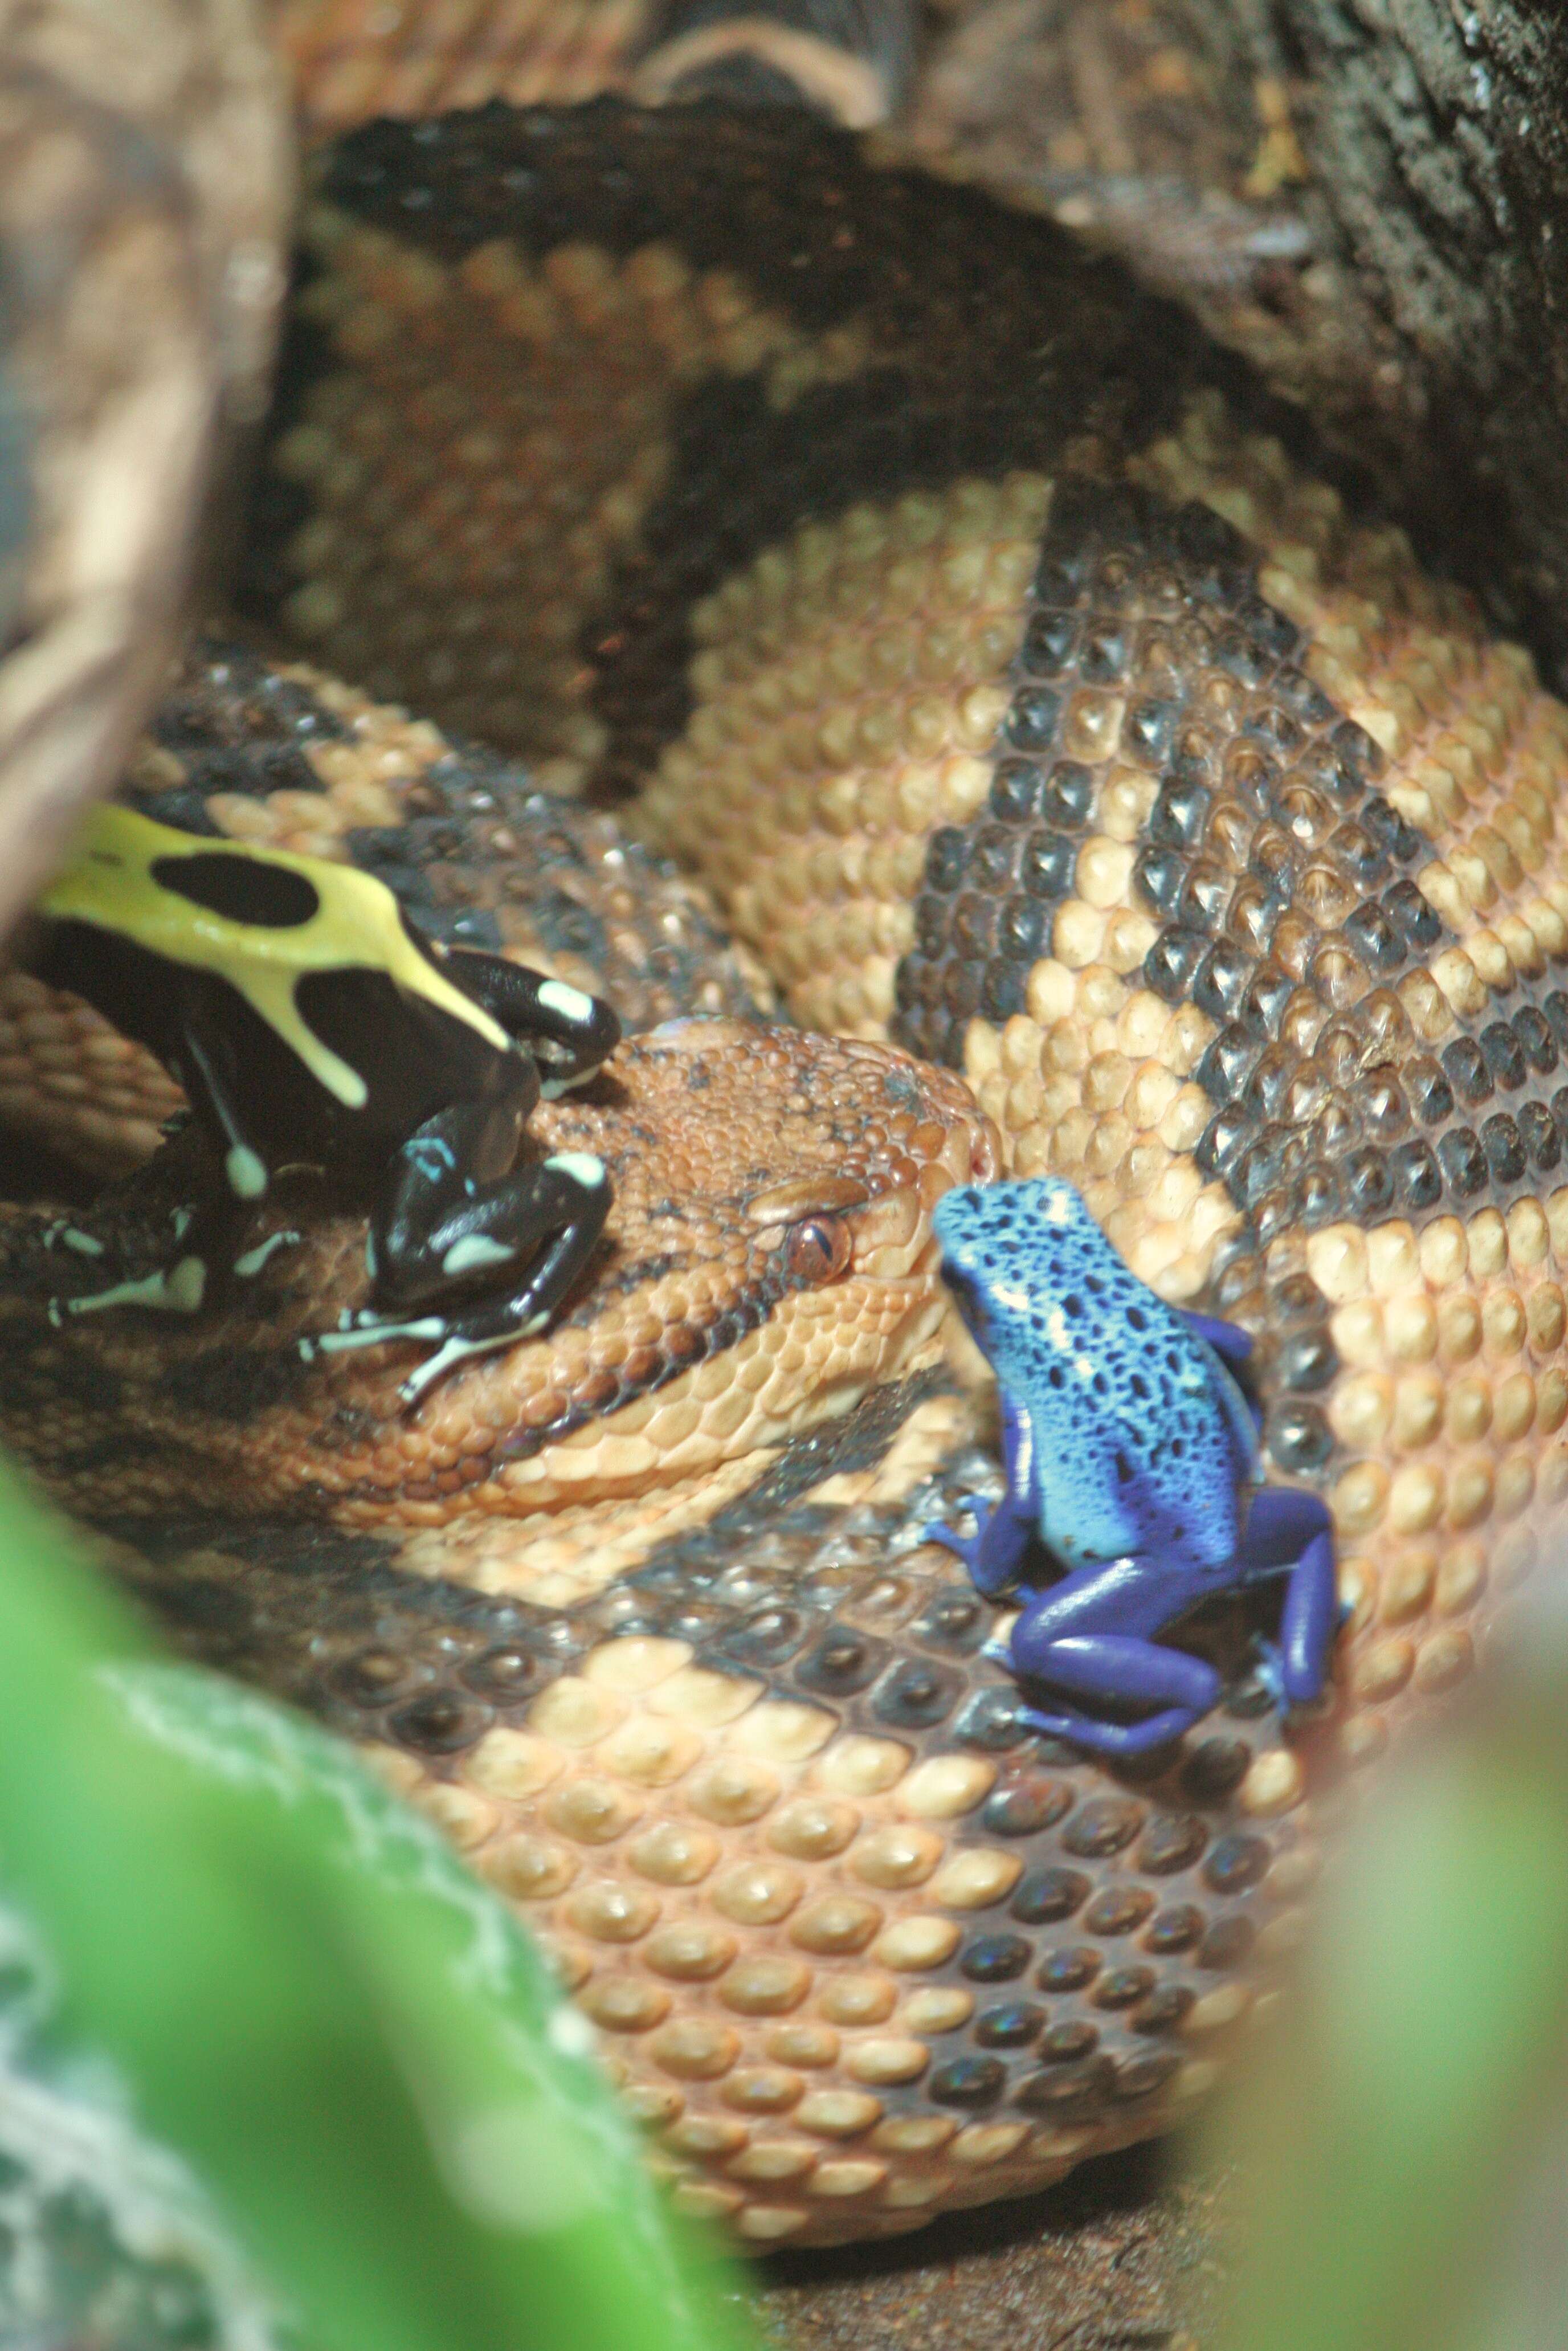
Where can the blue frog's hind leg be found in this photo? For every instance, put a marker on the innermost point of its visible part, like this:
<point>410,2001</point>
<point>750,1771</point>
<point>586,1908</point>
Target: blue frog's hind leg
<point>1288,1529</point>
<point>1182,1689</point>
<point>995,1552</point>
<point>1100,1738</point>
<point>1119,1666</point>
<point>1092,1637</point>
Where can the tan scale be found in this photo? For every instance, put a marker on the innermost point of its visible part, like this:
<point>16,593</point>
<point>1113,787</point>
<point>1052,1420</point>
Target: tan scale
<point>501,495</point>
<point>560,1556</point>
<point>760,1960</point>
<point>731,798</point>
<point>849,685</point>
<point>74,1082</point>
<point>354,59</point>
<point>1477,747</point>
<point>1452,1407</point>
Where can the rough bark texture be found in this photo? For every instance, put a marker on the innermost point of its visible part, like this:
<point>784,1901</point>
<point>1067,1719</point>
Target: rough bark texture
<point>144,190</point>
<point>1164,131</point>
<point>1436,138</point>
<point>1370,197</point>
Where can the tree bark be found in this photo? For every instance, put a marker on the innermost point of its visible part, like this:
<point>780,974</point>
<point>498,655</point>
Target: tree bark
<point>144,188</point>
<point>1368,197</point>
<point>1436,138</point>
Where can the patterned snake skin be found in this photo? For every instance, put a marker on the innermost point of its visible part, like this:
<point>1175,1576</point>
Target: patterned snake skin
<point>1029,713</point>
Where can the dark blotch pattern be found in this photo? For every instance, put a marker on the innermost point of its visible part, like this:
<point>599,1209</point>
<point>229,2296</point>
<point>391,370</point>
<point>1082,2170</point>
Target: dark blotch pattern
<point>1286,887</point>
<point>1073,1975</point>
<point>970,370</point>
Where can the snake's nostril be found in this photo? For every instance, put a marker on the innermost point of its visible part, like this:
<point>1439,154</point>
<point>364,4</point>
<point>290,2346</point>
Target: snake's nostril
<point>985,1153</point>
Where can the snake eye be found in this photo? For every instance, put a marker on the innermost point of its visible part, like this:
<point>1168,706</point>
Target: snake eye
<point>817,1249</point>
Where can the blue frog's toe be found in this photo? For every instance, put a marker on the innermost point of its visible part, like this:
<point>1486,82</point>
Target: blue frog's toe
<point>1268,1665</point>
<point>964,1547</point>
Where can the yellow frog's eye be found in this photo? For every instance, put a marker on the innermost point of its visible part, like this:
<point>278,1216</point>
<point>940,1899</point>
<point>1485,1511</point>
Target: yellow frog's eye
<point>817,1250</point>
<point>241,889</point>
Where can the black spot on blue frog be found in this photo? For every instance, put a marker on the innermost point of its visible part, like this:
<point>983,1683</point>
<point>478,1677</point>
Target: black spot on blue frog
<point>1132,1462</point>
<point>313,1027</point>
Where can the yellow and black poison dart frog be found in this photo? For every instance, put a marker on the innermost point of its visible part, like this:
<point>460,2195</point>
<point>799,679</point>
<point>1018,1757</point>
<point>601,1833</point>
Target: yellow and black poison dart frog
<point>312,1027</point>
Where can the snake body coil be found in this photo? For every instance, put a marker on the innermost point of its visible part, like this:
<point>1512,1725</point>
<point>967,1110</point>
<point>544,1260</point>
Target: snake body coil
<point>963,622</point>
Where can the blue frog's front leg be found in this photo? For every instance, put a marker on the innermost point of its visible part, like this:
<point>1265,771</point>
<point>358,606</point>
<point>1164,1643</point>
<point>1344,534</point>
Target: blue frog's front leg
<point>995,1552</point>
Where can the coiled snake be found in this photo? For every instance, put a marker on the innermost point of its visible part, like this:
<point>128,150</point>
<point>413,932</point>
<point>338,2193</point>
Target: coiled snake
<point>962,622</point>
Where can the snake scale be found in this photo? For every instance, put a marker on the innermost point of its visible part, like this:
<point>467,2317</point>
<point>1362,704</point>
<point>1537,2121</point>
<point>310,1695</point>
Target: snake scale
<point>1080,789</point>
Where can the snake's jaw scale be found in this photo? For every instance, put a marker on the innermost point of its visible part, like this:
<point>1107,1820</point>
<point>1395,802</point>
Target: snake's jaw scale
<point>891,1235</point>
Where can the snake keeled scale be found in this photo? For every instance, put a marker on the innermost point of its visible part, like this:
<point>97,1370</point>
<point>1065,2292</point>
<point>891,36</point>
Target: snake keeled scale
<point>960,620</point>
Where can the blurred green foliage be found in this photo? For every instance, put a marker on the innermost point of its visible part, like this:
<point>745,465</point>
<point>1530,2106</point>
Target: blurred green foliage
<point>1417,2071</point>
<point>305,1994</point>
<point>365,2061</point>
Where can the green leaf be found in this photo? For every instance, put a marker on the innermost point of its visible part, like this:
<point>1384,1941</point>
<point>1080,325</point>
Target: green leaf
<point>1412,2072</point>
<point>350,2040</point>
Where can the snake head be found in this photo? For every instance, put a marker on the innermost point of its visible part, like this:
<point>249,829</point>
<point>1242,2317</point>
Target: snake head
<point>768,1258</point>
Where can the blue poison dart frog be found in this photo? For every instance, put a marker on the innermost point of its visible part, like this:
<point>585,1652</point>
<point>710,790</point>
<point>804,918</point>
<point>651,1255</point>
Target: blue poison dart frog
<point>1132,1458</point>
<point>312,1027</point>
